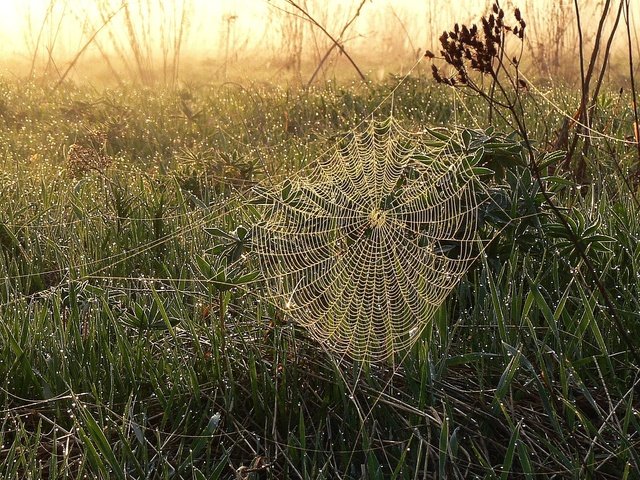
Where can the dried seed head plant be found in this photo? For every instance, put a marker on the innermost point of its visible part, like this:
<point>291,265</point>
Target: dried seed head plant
<point>484,50</point>
<point>82,159</point>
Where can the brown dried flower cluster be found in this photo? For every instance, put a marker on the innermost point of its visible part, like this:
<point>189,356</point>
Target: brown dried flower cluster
<point>82,159</point>
<point>476,48</point>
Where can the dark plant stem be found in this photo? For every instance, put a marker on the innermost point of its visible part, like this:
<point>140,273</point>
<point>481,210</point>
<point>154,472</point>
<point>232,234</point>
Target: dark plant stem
<point>607,51</point>
<point>535,169</point>
<point>583,113</point>
<point>462,40</point>
<point>579,247</point>
<point>634,97</point>
<point>221,322</point>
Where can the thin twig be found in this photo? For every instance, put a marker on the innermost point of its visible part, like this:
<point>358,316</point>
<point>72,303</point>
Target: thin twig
<point>334,45</point>
<point>634,97</point>
<point>38,39</point>
<point>84,47</point>
<point>335,41</point>
<point>583,113</point>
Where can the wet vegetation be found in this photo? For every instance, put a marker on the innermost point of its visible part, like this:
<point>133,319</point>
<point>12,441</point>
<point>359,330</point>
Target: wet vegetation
<point>129,349</point>
<point>138,341</point>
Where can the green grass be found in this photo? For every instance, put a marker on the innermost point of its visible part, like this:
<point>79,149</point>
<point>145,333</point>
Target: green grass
<point>121,358</point>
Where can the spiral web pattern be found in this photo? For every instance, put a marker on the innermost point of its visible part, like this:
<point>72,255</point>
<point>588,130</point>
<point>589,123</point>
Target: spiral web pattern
<point>364,250</point>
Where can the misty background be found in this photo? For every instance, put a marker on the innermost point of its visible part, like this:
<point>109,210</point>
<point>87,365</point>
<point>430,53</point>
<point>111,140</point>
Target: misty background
<point>167,41</point>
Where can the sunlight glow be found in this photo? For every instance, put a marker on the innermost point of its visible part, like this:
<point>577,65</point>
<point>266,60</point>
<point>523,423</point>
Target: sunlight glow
<point>135,35</point>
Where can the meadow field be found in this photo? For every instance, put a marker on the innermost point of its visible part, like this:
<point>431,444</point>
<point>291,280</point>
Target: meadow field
<point>139,338</point>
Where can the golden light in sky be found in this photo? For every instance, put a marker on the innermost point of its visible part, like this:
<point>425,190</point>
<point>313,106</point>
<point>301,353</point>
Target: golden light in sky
<point>118,33</point>
<point>68,21</point>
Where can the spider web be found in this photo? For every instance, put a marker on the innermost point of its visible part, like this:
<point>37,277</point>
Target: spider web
<point>364,250</point>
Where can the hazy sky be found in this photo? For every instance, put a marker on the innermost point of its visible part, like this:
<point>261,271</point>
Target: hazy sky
<point>237,30</point>
<point>21,20</point>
